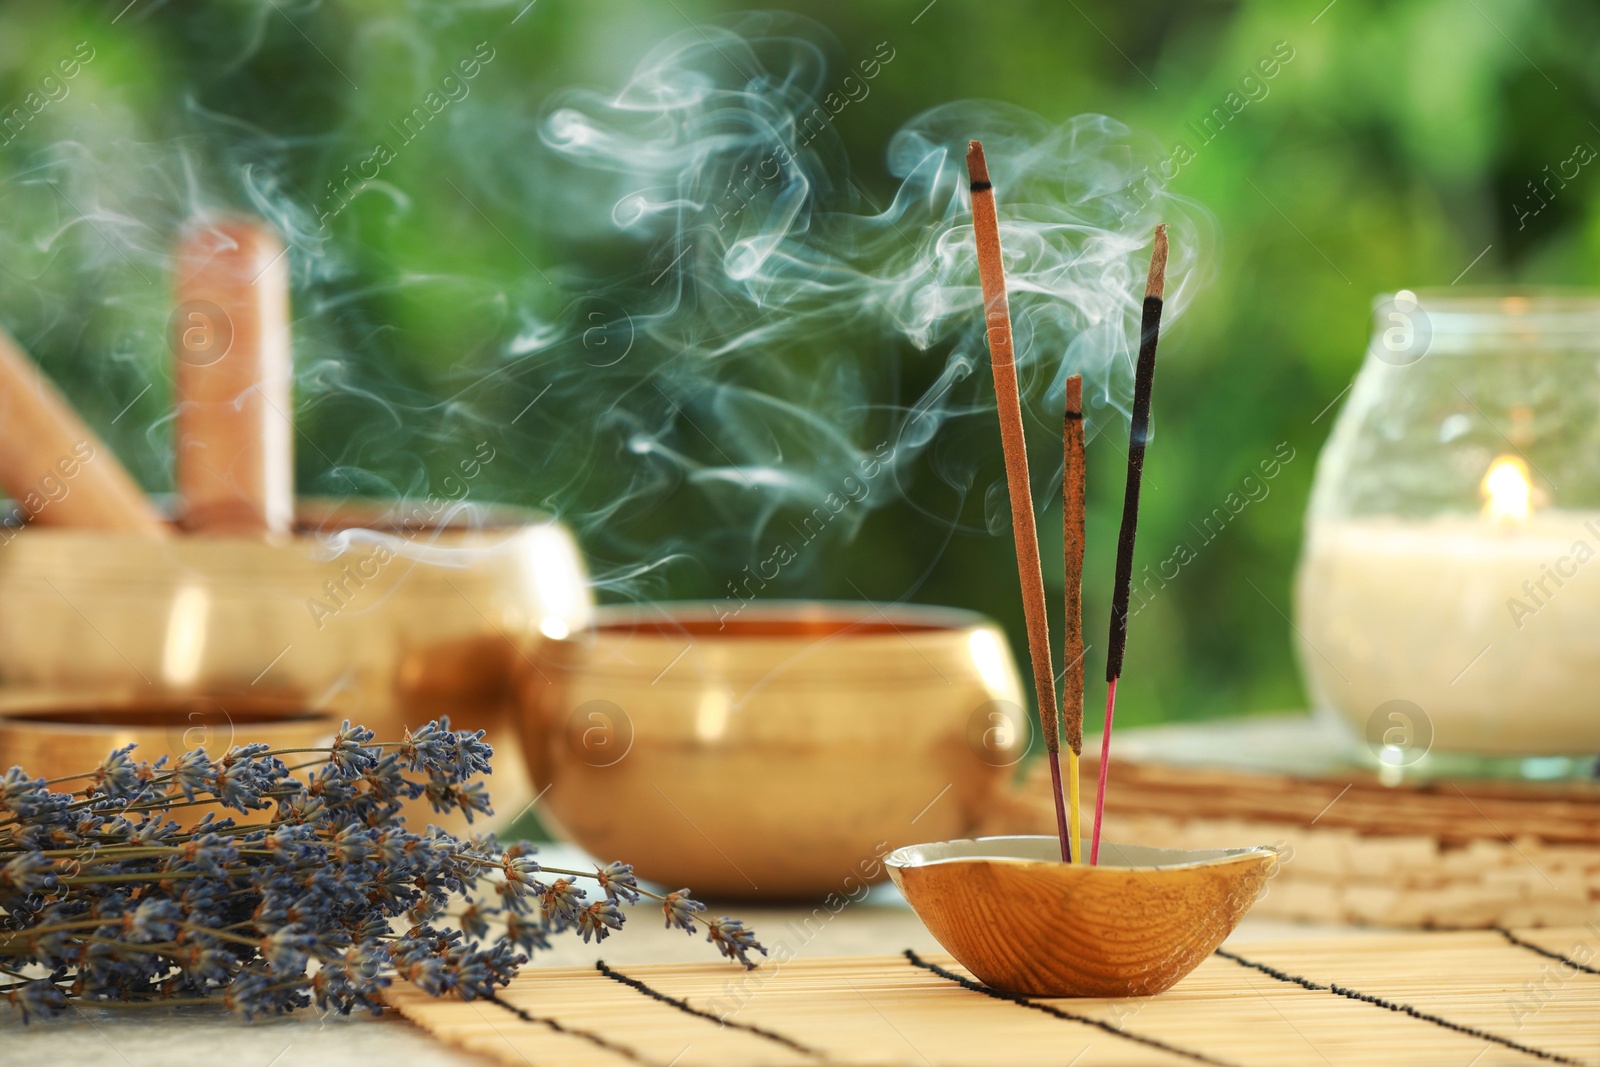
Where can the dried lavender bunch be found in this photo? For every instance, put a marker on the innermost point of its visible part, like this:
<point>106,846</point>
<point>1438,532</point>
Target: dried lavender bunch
<point>317,894</point>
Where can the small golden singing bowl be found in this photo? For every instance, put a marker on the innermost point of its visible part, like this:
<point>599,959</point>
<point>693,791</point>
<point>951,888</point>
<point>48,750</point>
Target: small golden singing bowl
<point>61,735</point>
<point>386,613</point>
<point>776,753</point>
<point>1024,922</point>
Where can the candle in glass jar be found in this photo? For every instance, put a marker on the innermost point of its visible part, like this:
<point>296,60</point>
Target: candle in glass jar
<point>1488,623</point>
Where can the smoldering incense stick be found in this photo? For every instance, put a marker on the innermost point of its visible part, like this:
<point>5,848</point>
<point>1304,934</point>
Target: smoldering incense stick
<point>997,325</point>
<point>1138,434</point>
<point>1072,509</point>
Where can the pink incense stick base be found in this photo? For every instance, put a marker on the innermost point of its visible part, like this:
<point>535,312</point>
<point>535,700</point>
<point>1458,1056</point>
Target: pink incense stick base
<point>1061,808</point>
<point>1105,763</point>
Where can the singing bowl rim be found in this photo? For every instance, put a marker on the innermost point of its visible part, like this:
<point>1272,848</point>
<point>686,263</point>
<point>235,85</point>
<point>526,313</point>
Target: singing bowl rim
<point>492,544</point>
<point>1044,851</point>
<point>95,712</point>
<point>318,516</point>
<point>634,622</point>
<point>860,643</point>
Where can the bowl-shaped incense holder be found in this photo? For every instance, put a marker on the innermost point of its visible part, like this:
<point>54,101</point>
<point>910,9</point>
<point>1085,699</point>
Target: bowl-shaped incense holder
<point>388,613</point>
<point>774,753</point>
<point>55,735</point>
<point>1024,922</point>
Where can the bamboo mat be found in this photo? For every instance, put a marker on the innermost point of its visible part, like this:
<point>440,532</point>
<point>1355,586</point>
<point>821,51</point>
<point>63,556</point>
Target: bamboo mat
<point>1470,999</point>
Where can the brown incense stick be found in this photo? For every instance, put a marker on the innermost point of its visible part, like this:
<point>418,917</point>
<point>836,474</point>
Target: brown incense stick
<point>997,325</point>
<point>1144,378</point>
<point>1073,492</point>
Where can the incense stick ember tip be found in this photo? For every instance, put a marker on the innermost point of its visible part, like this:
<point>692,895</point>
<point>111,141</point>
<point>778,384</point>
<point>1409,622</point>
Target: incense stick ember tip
<point>977,166</point>
<point>1156,284</point>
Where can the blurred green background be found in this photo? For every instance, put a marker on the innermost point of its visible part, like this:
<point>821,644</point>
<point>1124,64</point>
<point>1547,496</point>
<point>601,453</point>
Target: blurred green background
<point>1392,147</point>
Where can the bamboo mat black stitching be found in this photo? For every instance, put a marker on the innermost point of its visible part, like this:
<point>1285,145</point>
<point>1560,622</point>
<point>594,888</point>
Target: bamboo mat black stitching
<point>1060,1013</point>
<point>587,1035</point>
<point>1403,1009</point>
<point>1541,950</point>
<point>685,1006</point>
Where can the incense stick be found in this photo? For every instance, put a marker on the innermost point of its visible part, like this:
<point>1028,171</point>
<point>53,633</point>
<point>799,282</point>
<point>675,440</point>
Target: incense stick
<point>997,326</point>
<point>1138,434</point>
<point>1072,507</point>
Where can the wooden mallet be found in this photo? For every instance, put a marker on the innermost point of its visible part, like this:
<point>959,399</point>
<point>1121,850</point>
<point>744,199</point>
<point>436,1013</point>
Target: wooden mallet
<point>234,373</point>
<point>56,468</point>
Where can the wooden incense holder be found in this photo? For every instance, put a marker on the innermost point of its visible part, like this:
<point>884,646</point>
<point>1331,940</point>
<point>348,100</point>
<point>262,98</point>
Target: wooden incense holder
<point>230,340</point>
<point>1026,923</point>
<point>56,469</point>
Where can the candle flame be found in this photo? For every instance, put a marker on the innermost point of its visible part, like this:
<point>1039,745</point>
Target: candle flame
<point>1507,490</point>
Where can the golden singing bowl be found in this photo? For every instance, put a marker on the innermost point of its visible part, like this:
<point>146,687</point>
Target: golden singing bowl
<point>388,614</point>
<point>55,735</point>
<point>1024,922</point>
<point>775,754</point>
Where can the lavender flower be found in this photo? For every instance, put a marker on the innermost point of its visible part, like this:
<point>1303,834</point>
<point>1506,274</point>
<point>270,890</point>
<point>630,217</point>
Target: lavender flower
<point>599,919</point>
<point>29,873</point>
<point>190,772</point>
<point>153,920</point>
<point>39,999</point>
<point>348,751</point>
<point>561,903</point>
<point>294,901</point>
<point>618,881</point>
<point>680,910</point>
<point>26,797</point>
<point>733,940</point>
<point>118,776</point>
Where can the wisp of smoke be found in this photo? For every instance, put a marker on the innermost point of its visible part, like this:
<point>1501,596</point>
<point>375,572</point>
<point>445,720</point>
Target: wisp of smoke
<point>718,309</point>
<point>776,282</point>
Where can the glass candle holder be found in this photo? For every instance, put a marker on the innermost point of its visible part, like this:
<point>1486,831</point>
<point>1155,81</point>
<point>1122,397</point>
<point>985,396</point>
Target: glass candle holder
<point>1448,598</point>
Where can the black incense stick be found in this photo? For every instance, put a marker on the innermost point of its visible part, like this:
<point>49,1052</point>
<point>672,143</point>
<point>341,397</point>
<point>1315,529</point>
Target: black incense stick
<point>1144,378</point>
<point>1138,435</point>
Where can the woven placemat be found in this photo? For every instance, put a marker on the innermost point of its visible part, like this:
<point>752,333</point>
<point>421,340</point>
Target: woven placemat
<point>1437,852</point>
<point>1460,998</point>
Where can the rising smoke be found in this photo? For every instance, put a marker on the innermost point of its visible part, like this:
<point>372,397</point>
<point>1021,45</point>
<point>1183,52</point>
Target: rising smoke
<point>706,322</point>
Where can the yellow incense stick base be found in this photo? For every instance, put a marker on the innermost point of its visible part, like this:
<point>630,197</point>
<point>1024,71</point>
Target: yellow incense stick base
<point>1074,812</point>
